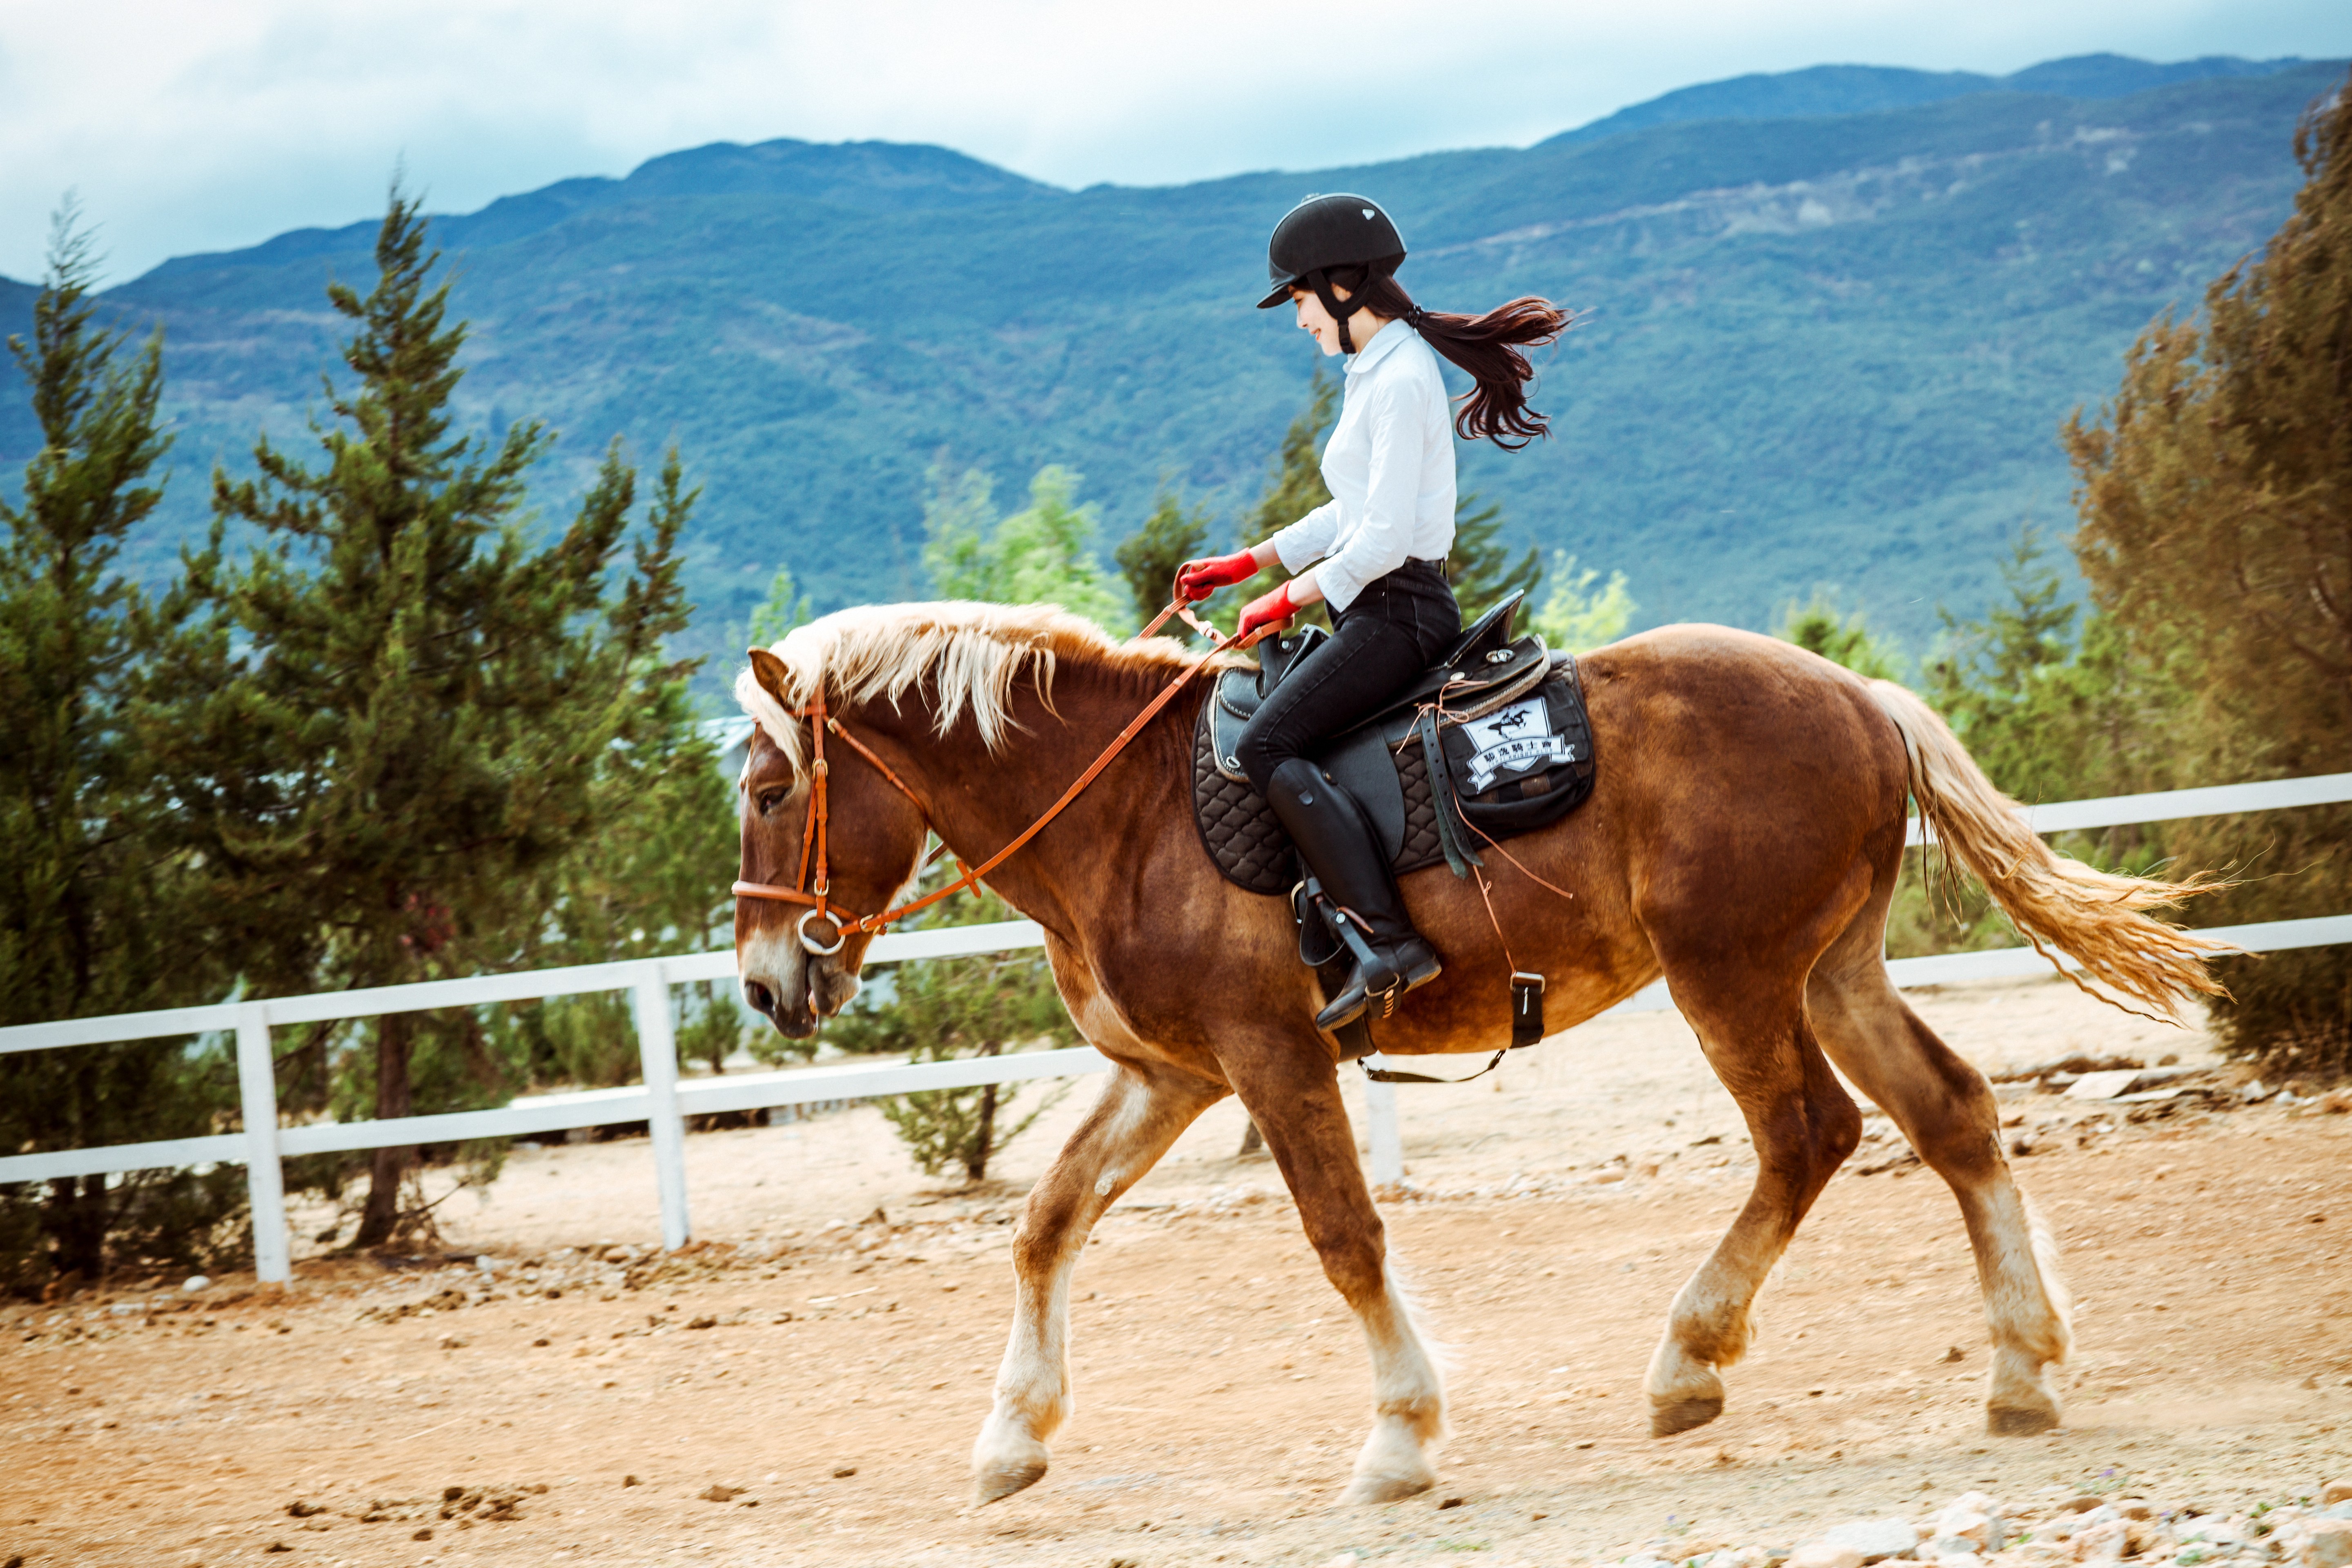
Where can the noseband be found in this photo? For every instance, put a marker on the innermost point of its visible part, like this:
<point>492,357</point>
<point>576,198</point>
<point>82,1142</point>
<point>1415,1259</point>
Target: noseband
<point>813,829</point>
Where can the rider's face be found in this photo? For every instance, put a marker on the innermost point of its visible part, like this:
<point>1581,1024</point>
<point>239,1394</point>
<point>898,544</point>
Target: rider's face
<point>1314,319</point>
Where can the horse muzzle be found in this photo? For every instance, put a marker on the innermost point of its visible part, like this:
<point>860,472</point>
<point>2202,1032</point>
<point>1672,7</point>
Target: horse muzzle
<point>791,987</point>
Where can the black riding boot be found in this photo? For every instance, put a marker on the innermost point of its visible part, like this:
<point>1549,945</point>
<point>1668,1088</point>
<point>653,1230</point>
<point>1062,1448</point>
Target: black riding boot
<point>1338,845</point>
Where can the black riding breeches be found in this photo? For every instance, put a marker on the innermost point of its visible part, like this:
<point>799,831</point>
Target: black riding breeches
<point>1397,628</point>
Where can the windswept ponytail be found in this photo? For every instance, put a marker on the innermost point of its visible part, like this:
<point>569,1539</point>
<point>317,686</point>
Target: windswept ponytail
<point>1487,347</point>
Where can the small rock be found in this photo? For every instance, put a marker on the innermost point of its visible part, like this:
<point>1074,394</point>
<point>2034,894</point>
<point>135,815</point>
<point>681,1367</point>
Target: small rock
<point>1444,1503</point>
<point>631,1481</point>
<point>843,1472</point>
<point>1825,1554</point>
<point>1973,1517</point>
<point>424,1534</point>
<point>2106,1541</point>
<point>1875,1539</point>
<point>300,1509</point>
<point>1956,1353</point>
<point>195,1282</point>
<point>718,1493</point>
<point>2336,1491</point>
<point>2321,1543</point>
<point>2083,1503</point>
<point>2103,1085</point>
<point>702,1322</point>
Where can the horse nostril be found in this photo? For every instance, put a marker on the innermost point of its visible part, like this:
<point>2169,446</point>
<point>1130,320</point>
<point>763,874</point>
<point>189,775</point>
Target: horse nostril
<point>763,1001</point>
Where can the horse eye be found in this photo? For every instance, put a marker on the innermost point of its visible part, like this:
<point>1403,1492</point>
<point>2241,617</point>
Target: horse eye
<point>770,799</point>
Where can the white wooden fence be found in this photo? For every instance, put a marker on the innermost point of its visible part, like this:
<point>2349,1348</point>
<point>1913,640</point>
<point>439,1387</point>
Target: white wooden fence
<point>663,1102</point>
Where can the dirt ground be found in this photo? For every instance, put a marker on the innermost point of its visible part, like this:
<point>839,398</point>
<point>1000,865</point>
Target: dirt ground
<point>803,1385</point>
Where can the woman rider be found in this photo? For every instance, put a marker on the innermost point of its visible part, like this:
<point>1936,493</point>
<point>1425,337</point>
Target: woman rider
<point>1376,551</point>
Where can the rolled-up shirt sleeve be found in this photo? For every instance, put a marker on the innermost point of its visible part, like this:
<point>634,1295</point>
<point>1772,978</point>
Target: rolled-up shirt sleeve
<point>1393,492</point>
<point>1309,540</point>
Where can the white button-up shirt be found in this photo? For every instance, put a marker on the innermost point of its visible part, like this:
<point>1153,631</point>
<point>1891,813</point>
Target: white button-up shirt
<point>1390,468</point>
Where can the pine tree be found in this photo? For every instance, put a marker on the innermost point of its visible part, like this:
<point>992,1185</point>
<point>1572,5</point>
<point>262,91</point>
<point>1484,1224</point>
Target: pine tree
<point>1297,487</point>
<point>415,728</point>
<point>97,912</point>
<point>1839,636</point>
<point>2216,503</point>
<point>1479,565</point>
<point>1150,556</point>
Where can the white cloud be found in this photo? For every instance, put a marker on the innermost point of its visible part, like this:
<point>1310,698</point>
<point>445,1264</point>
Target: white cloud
<point>213,126</point>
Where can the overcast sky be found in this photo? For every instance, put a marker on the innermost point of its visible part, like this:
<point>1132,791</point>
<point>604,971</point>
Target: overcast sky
<point>207,127</point>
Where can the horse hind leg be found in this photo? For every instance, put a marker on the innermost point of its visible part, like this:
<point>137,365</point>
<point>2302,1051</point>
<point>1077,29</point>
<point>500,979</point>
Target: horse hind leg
<point>1138,1115</point>
<point>1947,1112</point>
<point>1803,1125</point>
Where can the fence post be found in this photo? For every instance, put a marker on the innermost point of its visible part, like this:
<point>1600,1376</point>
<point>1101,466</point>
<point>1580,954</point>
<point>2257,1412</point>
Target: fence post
<point>1388,1148</point>
<point>265,1178</point>
<point>657,1050</point>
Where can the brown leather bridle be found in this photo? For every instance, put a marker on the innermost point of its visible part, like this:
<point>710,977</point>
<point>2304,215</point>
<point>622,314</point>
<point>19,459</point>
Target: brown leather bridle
<point>813,829</point>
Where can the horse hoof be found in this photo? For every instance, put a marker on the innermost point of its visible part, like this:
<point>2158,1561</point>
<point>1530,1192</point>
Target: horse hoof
<point>999,1481</point>
<point>2019,1421</point>
<point>1670,1416</point>
<point>1385,1489</point>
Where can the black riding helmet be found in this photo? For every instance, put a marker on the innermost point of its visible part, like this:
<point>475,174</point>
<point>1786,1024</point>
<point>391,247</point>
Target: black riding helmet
<point>1320,234</point>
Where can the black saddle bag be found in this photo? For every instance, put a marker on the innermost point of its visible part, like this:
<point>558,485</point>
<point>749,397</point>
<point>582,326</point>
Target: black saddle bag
<point>1526,764</point>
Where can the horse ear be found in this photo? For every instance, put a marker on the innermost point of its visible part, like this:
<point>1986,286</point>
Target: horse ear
<point>770,672</point>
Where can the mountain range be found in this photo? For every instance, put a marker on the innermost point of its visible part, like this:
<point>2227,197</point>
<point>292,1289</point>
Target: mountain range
<point>1829,323</point>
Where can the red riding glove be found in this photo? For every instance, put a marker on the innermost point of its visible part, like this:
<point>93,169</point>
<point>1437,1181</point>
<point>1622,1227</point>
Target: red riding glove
<point>1199,579</point>
<point>1269,610</point>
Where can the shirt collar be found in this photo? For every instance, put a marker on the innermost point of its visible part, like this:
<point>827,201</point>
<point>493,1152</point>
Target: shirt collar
<point>1383,343</point>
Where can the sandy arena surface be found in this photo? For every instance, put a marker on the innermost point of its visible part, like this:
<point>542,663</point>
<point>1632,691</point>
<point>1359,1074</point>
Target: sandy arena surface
<point>803,1385</point>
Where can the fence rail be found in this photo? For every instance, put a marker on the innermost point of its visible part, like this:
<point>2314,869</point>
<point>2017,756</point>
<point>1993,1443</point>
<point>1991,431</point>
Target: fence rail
<point>663,1100</point>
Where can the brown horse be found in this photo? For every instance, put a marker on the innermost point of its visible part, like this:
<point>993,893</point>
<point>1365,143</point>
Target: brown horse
<point>1744,840</point>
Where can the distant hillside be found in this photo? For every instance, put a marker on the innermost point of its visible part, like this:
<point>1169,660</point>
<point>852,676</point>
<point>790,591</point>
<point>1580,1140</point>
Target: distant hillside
<point>1822,91</point>
<point>1818,347</point>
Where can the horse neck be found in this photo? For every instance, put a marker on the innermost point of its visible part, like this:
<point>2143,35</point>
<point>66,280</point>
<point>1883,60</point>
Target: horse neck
<point>980,800</point>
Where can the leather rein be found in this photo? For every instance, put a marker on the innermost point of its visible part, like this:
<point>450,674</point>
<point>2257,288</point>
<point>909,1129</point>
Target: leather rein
<point>814,828</point>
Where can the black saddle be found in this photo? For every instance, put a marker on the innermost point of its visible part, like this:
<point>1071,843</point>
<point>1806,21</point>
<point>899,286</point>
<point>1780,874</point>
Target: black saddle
<point>1492,735</point>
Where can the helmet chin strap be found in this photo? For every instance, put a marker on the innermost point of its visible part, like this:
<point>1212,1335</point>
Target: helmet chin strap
<point>1320,281</point>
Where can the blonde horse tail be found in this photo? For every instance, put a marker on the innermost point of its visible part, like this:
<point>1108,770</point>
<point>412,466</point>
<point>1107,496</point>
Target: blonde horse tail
<point>2097,917</point>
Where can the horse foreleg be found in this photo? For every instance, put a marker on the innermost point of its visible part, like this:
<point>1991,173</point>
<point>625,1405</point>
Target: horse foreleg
<point>1293,1092</point>
<point>1140,1114</point>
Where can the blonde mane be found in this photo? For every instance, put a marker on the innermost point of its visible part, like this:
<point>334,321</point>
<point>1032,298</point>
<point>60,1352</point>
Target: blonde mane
<point>969,654</point>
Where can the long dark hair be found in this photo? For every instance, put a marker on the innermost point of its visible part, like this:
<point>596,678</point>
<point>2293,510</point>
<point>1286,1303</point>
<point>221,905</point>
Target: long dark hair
<point>1486,346</point>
